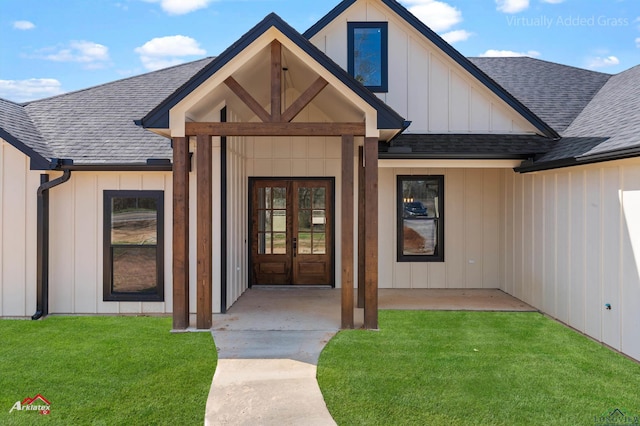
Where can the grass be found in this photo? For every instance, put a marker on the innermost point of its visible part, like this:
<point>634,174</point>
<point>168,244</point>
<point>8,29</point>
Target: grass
<point>462,368</point>
<point>105,371</point>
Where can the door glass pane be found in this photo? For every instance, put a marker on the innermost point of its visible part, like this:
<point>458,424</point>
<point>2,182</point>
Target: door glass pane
<point>279,243</point>
<point>319,220</point>
<point>304,243</point>
<point>319,244</point>
<point>304,198</point>
<point>304,220</point>
<point>264,221</point>
<point>319,198</point>
<point>279,198</point>
<point>264,243</point>
<point>279,221</point>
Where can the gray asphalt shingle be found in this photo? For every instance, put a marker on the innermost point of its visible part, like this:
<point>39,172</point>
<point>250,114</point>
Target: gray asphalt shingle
<point>15,121</point>
<point>556,93</point>
<point>95,125</point>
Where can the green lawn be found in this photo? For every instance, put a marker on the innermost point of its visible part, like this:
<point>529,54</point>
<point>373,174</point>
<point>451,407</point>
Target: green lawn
<point>459,368</point>
<point>105,371</point>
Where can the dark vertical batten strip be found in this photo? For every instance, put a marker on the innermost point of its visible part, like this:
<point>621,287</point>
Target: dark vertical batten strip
<point>361,226</point>
<point>223,216</point>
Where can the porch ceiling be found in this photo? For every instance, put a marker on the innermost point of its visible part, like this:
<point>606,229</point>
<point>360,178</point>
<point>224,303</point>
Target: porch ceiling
<point>254,76</point>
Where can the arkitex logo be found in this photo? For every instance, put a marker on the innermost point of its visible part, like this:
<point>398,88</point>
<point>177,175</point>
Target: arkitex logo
<point>38,403</point>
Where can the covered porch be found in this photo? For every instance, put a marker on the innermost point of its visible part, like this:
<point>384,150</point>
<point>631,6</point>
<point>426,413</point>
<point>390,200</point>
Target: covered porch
<point>271,89</point>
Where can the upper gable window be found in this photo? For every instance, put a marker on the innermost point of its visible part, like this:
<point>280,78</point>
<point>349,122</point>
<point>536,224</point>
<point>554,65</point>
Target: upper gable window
<point>368,54</point>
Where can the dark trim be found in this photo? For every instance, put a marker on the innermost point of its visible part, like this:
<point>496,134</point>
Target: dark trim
<point>108,294</point>
<point>451,52</point>
<point>42,242</point>
<point>622,154</point>
<point>133,167</point>
<point>450,156</point>
<point>331,180</point>
<point>439,256</point>
<point>37,161</point>
<point>158,118</point>
<point>223,217</point>
<point>384,52</point>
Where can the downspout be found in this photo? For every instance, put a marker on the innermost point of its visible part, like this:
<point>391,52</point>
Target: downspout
<point>42,257</point>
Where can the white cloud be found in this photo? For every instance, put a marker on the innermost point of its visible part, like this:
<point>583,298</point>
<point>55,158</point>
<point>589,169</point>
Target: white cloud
<point>92,55</point>
<point>599,62</point>
<point>512,6</point>
<point>493,53</point>
<point>181,7</point>
<point>162,52</point>
<point>455,36</point>
<point>27,90</point>
<point>23,25</point>
<point>438,15</point>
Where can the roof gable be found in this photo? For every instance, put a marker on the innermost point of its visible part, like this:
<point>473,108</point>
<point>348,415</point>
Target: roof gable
<point>158,118</point>
<point>447,50</point>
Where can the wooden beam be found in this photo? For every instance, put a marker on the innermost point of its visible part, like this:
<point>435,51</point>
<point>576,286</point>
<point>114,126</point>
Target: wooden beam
<point>204,235</point>
<point>276,81</point>
<point>304,99</point>
<point>180,233</point>
<point>247,99</point>
<point>347,231</point>
<point>361,227</point>
<point>371,233</point>
<point>276,129</point>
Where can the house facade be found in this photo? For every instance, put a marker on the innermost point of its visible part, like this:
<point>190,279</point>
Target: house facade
<point>364,153</point>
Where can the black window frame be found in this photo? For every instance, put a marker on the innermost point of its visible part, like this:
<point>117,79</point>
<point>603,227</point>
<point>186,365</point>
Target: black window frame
<point>400,201</point>
<point>384,54</point>
<point>108,294</point>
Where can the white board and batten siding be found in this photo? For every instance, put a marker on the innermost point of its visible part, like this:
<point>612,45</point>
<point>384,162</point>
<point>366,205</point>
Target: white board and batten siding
<point>572,239</point>
<point>76,242</point>
<point>473,233</point>
<point>426,86</point>
<point>18,186</point>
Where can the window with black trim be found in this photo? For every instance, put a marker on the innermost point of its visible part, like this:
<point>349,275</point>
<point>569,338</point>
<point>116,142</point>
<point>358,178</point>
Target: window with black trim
<point>369,54</point>
<point>420,218</point>
<point>133,246</point>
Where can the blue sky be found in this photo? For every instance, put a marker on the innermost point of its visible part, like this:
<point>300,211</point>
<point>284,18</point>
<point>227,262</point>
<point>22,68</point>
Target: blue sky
<point>55,46</point>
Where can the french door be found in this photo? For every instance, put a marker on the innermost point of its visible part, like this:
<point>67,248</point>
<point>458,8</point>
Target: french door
<point>292,232</point>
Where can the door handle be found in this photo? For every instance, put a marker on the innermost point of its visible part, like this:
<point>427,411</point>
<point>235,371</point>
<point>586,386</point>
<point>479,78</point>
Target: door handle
<point>295,246</point>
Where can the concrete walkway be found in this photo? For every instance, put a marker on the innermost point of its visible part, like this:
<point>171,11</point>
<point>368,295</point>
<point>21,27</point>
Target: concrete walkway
<point>270,340</point>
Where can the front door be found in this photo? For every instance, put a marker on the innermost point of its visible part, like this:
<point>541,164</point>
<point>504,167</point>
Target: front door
<point>292,232</point>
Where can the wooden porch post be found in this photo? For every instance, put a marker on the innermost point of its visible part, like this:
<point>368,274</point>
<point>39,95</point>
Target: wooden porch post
<point>371,233</point>
<point>204,237</point>
<point>347,231</point>
<point>180,233</point>
<point>362,206</point>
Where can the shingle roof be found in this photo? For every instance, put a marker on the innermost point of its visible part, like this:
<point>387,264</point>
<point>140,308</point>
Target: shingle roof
<point>614,113</point>
<point>554,92</point>
<point>607,128</point>
<point>17,128</point>
<point>95,125</point>
<point>487,146</point>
